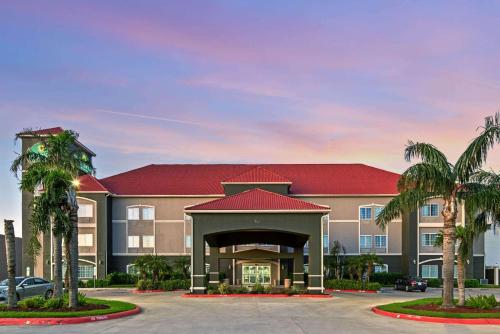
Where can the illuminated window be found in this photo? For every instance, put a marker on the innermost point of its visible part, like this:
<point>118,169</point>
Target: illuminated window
<point>85,210</point>
<point>133,213</point>
<point>85,240</point>
<point>148,213</point>
<point>148,241</point>
<point>133,241</point>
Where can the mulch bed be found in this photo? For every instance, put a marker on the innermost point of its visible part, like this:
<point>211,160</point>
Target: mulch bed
<point>456,309</point>
<point>89,307</point>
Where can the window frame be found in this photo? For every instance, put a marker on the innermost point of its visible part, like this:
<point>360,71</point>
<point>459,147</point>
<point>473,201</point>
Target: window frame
<point>380,236</point>
<point>365,217</point>
<point>82,236</point>
<point>85,205</point>
<point>424,239</point>
<point>130,208</point>
<point>430,213</point>
<point>138,241</point>
<point>366,236</point>
<point>144,208</point>
<point>152,237</point>
<point>428,266</point>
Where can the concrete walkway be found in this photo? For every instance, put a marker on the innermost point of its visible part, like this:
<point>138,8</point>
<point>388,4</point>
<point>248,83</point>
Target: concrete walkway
<point>345,313</point>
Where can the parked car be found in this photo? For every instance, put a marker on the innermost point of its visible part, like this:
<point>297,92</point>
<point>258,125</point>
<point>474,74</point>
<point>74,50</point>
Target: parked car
<point>411,283</point>
<point>28,287</point>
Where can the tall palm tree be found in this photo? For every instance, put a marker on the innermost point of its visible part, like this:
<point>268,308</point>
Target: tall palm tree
<point>10,252</point>
<point>435,177</point>
<point>56,207</point>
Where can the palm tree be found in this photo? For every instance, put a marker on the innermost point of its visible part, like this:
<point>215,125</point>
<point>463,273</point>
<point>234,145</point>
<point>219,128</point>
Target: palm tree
<point>337,251</point>
<point>55,208</point>
<point>369,261</point>
<point>435,177</point>
<point>10,252</point>
<point>181,266</point>
<point>355,267</point>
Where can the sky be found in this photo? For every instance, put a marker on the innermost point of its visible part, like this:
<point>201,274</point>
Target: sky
<point>247,81</point>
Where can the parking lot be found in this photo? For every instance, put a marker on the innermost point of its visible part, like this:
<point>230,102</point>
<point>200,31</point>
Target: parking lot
<point>344,313</point>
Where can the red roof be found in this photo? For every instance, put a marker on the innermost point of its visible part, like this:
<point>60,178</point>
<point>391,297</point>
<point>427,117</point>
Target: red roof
<point>257,200</point>
<point>88,183</point>
<point>307,179</point>
<point>257,175</point>
<point>41,132</point>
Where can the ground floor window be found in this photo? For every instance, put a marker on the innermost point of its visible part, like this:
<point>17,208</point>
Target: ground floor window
<point>253,274</point>
<point>430,271</point>
<point>131,269</point>
<point>381,268</point>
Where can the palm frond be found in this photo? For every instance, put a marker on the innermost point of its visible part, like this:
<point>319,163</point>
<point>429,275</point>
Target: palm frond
<point>428,153</point>
<point>404,202</point>
<point>426,177</point>
<point>476,153</point>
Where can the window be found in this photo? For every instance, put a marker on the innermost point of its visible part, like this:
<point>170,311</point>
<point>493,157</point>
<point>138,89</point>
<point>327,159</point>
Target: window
<point>430,210</point>
<point>430,271</point>
<point>86,271</point>
<point>378,210</point>
<point>306,248</point>
<point>429,239</point>
<point>148,241</point>
<point>365,213</point>
<point>40,281</point>
<point>326,243</point>
<point>85,210</point>
<point>132,269</point>
<point>133,241</point>
<point>133,213</point>
<point>365,241</point>
<point>188,241</point>
<point>380,241</point>
<point>85,240</point>
<point>148,213</point>
<point>455,271</point>
<point>381,268</point>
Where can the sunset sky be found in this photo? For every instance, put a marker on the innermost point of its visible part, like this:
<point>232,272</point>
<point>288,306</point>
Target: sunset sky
<point>247,81</point>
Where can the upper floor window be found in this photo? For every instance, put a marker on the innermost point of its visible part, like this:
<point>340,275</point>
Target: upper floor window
<point>378,210</point>
<point>365,241</point>
<point>188,241</point>
<point>85,210</point>
<point>133,213</point>
<point>133,241</point>
<point>148,241</point>
<point>430,210</point>
<point>85,240</point>
<point>429,239</point>
<point>148,213</point>
<point>365,213</point>
<point>380,241</point>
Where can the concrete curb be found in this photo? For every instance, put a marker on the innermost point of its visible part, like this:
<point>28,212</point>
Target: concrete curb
<point>66,321</point>
<point>148,291</point>
<point>248,295</point>
<point>458,321</point>
<point>352,291</point>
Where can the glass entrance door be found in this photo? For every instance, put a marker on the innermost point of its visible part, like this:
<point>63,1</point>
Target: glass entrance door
<point>256,273</point>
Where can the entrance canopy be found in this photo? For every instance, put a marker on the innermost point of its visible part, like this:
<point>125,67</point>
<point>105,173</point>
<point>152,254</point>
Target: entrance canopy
<point>230,238</point>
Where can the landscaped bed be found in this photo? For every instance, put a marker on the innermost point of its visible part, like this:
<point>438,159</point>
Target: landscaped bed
<point>94,307</point>
<point>429,309</point>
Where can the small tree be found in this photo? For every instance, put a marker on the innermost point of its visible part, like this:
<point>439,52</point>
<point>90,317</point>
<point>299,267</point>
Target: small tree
<point>355,267</point>
<point>10,251</point>
<point>369,262</point>
<point>181,267</point>
<point>337,251</point>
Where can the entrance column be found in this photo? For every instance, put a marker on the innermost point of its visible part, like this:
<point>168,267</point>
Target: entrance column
<point>315,277</point>
<point>197,261</point>
<point>298,267</point>
<point>213,275</point>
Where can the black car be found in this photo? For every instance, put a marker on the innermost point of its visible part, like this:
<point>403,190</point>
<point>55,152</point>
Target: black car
<point>411,284</point>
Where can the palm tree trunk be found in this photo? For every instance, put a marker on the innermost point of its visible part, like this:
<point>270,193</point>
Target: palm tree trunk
<point>449,238</point>
<point>58,284</point>
<point>461,281</point>
<point>10,251</point>
<point>73,250</point>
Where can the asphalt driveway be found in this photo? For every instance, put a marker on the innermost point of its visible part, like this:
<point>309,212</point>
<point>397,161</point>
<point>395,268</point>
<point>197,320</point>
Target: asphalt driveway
<point>345,313</point>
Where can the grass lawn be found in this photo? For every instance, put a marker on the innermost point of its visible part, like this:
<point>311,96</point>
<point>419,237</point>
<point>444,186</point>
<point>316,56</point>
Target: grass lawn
<point>401,308</point>
<point>114,307</point>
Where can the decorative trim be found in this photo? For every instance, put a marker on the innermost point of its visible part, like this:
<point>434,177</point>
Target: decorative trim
<point>174,196</point>
<point>260,182</point>
<point>260,211</point>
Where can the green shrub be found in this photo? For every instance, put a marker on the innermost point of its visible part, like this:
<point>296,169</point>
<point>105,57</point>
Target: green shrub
<point>213,290</point>
<point>33,302</point>
<point>54,303</point>
<point>175,284</point>
<point>82,299</point>
<point>241,290</point>
<point>224,289</point>
<point>345,284</point>
<point>482,301</point>
<point>433,282</point>
<point>472,283</point>
<point>99,283</point>
<point>3,307</point>
<point>117,278</point>
<point>268,289</point>
<point>385,278</point>
<point>258,288</point>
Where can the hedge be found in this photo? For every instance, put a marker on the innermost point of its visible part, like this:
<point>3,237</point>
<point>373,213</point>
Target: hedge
<point>168,285</point>
<point>345,284</point>
<point>385,278</point>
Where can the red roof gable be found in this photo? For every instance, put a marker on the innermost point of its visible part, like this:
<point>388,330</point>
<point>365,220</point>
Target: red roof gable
<point>88,183</point>
<point>257,200</point>
<point>49,131</point>
<point>307,179</point>
<point>257,175</point>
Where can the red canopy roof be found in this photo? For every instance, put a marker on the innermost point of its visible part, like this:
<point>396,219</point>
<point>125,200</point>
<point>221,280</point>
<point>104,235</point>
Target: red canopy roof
<point>49,131</point>
<point>310,179</point>
<point>258,175</point>
<point>257,200</point>
<point>88,183</point>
